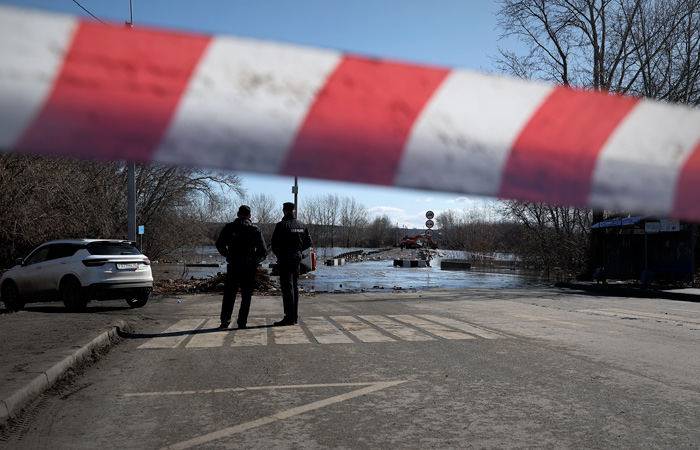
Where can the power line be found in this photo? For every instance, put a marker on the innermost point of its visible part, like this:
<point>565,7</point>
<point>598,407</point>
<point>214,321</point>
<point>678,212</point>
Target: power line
<point>94,16</point>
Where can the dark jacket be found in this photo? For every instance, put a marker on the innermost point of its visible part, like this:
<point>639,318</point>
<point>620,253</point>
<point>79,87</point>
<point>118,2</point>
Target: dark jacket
<point>290,238</point>
<point>241,239</point>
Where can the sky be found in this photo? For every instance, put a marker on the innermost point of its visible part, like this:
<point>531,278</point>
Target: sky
<point>451,33</point>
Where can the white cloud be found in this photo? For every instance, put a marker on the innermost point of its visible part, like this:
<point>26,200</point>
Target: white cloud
<point>388,210</point>
<point>416,220</point>
<point>464,200</point>
<point>424,200</point>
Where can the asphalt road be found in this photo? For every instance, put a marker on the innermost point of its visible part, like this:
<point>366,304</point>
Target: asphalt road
<point>491,369</point>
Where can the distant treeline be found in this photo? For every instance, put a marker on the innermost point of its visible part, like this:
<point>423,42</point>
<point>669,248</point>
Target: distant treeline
<point>45,198</point>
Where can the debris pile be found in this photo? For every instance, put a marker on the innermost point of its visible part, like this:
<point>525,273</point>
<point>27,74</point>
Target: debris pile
<point>263,284</point>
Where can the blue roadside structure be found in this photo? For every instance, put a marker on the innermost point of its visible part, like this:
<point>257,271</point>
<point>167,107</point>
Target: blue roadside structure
<point>648,249</point>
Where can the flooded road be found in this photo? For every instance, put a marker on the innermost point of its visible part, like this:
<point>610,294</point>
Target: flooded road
<point>381,275</point>
<point>373,275</point>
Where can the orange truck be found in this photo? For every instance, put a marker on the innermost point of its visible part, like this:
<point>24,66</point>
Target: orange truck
<point>418,241</point>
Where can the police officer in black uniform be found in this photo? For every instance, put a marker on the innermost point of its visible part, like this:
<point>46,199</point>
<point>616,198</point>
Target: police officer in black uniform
<point>243,245</point>
<point>290,238</point>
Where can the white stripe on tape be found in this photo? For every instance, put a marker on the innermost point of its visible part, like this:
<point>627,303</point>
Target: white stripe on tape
<point>639,166</point>
<point>462,139</point>
<point>33,49</point>
<point>245,104</point>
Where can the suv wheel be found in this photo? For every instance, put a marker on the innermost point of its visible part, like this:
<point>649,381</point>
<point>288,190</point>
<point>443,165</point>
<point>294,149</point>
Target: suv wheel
<point>139,300</point>
<point>72,295</point>
<point>10,296</point>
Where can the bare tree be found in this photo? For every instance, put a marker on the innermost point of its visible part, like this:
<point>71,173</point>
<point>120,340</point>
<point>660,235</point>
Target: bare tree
<point>178,203</point>
<point>341,221</point>
<point>266,213</point>
<point>331,211</point>
<point>555,236</point>
<point>321,214</point>
<point>666,44</point>
<point>50,198</point>
<point>379,232</point>
<point>47,198</point>
<point>476,229</point>
<point>312,214</point>
<point>480,232</point>
<point>448,223</point>
<point>647,48</point>
<point>353,221</point>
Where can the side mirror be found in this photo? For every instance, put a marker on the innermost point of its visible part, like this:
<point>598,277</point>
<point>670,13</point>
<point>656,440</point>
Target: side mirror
<point>19,261</point>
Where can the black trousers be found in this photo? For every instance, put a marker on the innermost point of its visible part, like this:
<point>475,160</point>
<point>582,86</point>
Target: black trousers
<point>289,276</point>
<point>239,274</point>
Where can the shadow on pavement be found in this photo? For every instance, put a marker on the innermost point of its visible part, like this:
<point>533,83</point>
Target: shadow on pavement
<point>60,309</point>
<point>127,335</point>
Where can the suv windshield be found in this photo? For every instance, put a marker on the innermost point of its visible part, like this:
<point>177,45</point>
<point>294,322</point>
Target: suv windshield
<point>112,248</point>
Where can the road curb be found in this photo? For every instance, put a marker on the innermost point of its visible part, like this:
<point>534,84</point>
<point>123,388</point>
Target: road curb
<point>623,291</point>
<point>11,406</point>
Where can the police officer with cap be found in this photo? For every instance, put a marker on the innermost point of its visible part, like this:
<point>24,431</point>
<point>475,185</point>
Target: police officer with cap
<point>243,245</point>
<point>290,238</point>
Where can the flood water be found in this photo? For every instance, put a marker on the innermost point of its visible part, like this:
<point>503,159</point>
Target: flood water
<point>382,275</point>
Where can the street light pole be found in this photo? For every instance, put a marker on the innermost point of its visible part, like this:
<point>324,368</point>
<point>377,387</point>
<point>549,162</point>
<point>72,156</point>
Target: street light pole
<point>131,173</point>
<point>131,199</point>
<point>295,191</point>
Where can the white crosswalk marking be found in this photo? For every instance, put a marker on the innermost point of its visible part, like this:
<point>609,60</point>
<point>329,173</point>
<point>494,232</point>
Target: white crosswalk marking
<point>458,324</point>
<point>397,329</point>
<point>360,330</point>
<point>289,335</point>
<point>251,336</point>
<point>432,327</point>
<point>209,336</point>
<point>173,336</point>
<point>325,332</point>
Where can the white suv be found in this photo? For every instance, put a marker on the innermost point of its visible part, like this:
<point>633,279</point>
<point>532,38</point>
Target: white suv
<point>77,271</point>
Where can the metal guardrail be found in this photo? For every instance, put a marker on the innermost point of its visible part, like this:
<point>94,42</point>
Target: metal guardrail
<point>349,255</point>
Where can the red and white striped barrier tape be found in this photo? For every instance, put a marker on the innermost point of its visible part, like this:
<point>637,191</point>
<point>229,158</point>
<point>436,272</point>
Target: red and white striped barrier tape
<point>69,87</point>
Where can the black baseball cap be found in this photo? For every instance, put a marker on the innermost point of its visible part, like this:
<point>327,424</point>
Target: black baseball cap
<point>288,206</point>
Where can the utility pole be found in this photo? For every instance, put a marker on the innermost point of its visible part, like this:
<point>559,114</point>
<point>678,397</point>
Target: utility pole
<point>131,198</point>
<point>131,168</point>
<point>295,191</point>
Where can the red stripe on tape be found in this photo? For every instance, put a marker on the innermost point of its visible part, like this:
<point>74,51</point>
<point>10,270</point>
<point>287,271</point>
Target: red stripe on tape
<point>554,156</point>
<point>116,93</point>
<point>687,204</point>
<point>358,125</point>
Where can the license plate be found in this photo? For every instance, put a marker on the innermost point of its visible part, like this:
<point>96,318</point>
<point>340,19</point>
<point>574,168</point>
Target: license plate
<point>127,266</point>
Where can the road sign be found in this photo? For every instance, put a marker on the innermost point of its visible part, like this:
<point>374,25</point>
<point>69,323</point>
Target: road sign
<point>652,227</point>
<point>429,223</point>
<point>670,225</point>
<point>429,233</point>
<point>429,215</point>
